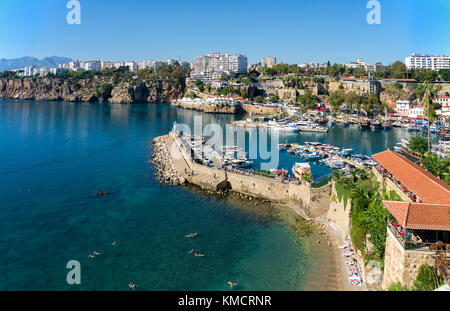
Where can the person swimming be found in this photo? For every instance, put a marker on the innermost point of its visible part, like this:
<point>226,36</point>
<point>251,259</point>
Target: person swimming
<point>191,251</point>
<point>114,243</point>
<point>192,235</point>
<point>199,255</point>
<point>232,284</point>
<point>132,286</point>
<point>96,253</point>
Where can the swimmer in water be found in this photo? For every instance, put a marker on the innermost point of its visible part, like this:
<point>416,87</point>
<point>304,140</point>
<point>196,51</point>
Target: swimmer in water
<point>192,235</point>
<point>132,286</point>
<point>199,255</point>
<point>96,253</point>
<point>231,284</point>
<point>114,243</point>
<point>191,251</point>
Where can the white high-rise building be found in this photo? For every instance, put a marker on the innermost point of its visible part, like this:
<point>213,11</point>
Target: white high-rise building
<point>92,65</point>
<point>237,63</point>
<point>268,61</point>
<point>424,61</point>
<point>218,64</point>
<point>106,64</point>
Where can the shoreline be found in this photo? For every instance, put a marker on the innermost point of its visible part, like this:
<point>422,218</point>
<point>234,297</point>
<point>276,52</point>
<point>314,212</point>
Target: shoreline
<point>329,269</point>
<point>334,238</point>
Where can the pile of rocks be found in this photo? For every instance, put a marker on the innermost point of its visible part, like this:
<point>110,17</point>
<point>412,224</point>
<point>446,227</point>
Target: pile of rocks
<point>165,170</point>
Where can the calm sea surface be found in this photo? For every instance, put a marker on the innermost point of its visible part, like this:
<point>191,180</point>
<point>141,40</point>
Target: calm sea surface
<point>54,156</point>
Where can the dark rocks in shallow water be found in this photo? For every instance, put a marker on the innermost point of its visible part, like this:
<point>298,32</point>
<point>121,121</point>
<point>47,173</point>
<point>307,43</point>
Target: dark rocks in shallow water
<point>101,193</point>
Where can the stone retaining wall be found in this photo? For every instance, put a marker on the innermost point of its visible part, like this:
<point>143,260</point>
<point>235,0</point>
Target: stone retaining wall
<point>303,199</point>
<point>402,265</point>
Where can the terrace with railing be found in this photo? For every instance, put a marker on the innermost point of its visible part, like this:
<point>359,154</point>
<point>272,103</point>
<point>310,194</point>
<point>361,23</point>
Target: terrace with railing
<point>424,228</point>
<point>397,185</point>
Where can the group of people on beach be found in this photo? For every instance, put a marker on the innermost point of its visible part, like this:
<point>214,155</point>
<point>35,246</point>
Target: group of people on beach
<point>192,251</point>
<point>354,271</point>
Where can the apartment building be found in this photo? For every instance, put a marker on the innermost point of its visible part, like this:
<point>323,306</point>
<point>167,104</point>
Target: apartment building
<point>444,101</point>
<point>424,61</point>
<point>219,64</point>
<point>268,61</point>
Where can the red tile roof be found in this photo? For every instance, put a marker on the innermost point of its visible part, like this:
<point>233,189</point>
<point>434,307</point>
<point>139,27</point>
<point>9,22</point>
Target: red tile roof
<point>420,216</point>
<point>425,185</point>
<point>406,80</point>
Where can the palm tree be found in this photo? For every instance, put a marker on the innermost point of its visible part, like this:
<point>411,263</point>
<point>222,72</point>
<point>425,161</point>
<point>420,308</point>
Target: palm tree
<point>337,175</point>
<point>429,93</point>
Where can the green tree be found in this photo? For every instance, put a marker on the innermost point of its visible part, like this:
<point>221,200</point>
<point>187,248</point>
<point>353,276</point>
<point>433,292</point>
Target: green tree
<point>425,280</point>
<point>308,177</point>
<point>351,100</point>
<point>439,167</point>
<point>199,85</point>
<point>398,70</point>
<point>429,93</point>
<point>445,74</point>
<point>418,144</point>
<point>336,99</point>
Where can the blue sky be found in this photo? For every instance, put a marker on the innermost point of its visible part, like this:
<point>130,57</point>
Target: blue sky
<point>294,31</point>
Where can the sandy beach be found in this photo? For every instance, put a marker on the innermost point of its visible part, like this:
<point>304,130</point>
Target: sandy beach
<point>328,271</point>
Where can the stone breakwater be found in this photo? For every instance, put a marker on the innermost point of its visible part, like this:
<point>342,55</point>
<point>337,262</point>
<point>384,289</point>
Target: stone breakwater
<point>165,169</point>
<point>92,90</point>
<point>174,165</point>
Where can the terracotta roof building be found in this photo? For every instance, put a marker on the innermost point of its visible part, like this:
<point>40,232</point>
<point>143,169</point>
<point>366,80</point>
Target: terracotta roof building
<point>420,216</point>
<point>427,187</point>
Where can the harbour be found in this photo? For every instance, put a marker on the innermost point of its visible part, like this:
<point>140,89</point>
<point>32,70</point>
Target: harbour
<point>122,224</point>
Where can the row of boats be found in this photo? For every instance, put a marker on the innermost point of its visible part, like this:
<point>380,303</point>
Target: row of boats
<point>334,157</point>
<point>441,149</point>
<point>235,157</point>
<point>287,125</point>
<point>330,155</point>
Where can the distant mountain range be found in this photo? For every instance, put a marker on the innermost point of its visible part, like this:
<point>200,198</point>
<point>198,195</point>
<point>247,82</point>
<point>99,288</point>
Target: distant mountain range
<point>53,61</point>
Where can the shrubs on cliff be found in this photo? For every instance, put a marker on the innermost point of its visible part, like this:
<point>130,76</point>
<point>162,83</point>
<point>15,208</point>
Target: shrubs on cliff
<point>104,93</point>
<point>368,216</point>
<point>425,280</point>
<point>9,75</point>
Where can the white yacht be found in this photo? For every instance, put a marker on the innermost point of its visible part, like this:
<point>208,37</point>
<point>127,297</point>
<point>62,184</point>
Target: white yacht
<point>299,169</point>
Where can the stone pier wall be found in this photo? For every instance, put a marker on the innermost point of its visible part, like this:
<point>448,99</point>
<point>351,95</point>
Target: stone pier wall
<point>306,201</point>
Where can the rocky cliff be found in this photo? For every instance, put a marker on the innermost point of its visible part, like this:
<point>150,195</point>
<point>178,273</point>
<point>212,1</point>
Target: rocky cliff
<point>92,90</point>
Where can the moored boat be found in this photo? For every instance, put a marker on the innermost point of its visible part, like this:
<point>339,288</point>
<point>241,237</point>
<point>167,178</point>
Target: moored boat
<point>386,125</point>
<point>299,169</point>
<point>365,124</point>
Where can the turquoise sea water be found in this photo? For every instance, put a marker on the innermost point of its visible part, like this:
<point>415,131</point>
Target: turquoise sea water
<point>54,156</point>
